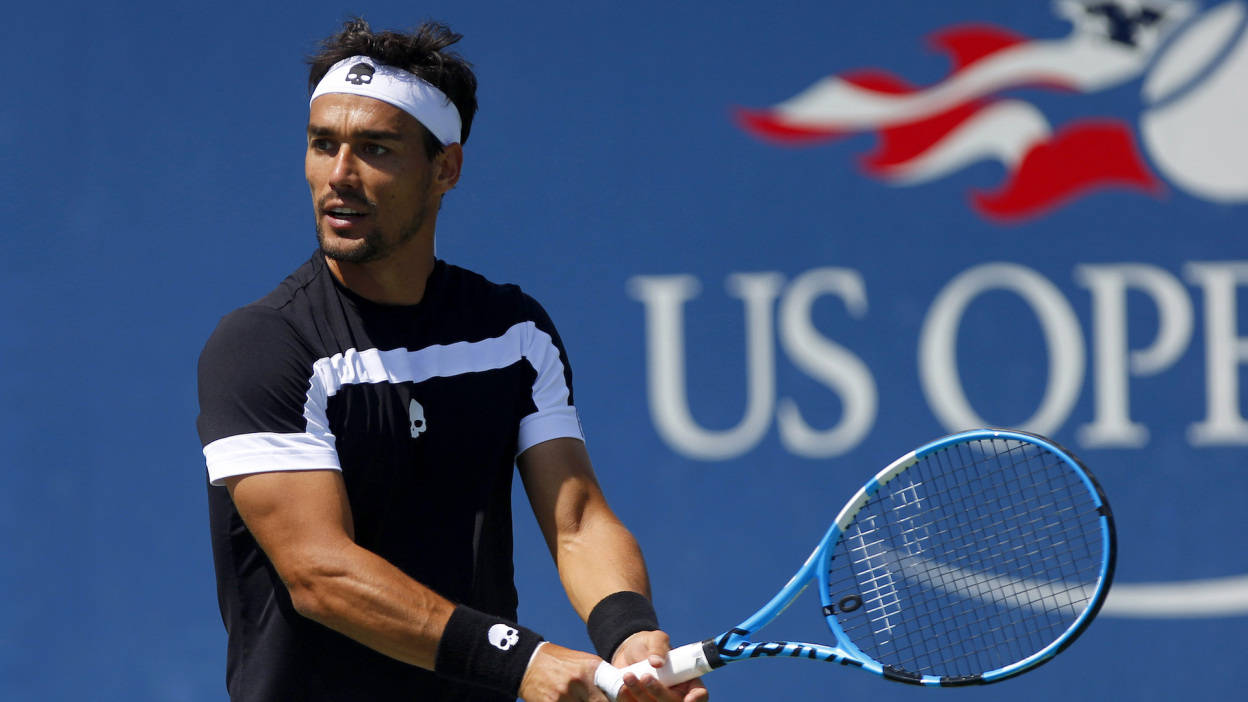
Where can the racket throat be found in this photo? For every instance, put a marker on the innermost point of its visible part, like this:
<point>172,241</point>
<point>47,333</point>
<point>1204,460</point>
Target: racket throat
<point>729,645</point>
<point>733,646</point>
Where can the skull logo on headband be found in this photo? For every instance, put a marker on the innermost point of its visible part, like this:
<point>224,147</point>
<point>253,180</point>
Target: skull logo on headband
<point>361,74</point>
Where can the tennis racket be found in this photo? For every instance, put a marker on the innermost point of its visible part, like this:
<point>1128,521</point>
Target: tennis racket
<point>970,560</point>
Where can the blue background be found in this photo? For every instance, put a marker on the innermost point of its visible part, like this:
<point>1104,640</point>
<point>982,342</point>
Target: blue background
<point>153,181</point>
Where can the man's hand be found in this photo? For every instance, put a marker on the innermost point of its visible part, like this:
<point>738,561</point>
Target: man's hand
<point>653,646</point>
<point>558,674</point>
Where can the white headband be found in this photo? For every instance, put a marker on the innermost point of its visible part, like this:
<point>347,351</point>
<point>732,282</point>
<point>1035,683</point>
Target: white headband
<point>361,75</point>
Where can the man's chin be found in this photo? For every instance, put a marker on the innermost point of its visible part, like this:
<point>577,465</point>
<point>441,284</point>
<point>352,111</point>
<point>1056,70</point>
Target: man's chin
<point>346,250</point>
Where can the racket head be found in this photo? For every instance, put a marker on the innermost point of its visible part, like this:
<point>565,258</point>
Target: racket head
<point>972,559</point>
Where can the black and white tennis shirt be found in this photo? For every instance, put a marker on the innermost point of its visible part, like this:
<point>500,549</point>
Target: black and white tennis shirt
<point>423,409</point>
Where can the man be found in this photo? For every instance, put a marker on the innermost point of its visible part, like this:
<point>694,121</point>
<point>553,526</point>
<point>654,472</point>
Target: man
<point>362,421</point>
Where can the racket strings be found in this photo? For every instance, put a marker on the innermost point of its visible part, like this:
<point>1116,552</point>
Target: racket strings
<point>1025,518</point>
<point>971,559</point>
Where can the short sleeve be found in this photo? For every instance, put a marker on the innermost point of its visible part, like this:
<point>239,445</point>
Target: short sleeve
<point>257,410</point>
<point>554,415</point>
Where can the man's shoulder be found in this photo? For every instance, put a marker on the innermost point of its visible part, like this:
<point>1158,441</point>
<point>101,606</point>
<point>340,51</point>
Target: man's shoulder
<point>471,289</point>
<point>274,315</point>
<point>464,279</point>
<point>297,290</point>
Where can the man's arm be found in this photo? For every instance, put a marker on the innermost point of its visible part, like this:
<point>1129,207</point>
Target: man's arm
<point>594,552</point>
<point>303,522</point>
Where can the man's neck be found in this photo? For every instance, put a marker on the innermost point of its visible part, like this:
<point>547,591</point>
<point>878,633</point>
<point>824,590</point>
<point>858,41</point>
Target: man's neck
<point>398,279</point>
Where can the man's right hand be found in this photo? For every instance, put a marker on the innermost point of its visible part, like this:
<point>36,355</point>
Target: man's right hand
<point>558,674</point>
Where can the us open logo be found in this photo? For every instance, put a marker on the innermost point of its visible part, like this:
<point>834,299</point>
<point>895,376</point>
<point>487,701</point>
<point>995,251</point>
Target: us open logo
<point>1192,64</point>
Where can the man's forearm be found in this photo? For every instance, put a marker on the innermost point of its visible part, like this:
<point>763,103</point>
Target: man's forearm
<point>594,552</point>
<point>597,560</point>
<point>359,594</point>
<point>302,521</point>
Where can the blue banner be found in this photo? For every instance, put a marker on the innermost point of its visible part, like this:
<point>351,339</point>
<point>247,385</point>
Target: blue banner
<point>783,245</point>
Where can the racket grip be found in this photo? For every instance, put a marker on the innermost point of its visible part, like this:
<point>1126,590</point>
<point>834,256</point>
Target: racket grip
<point>684,663</point>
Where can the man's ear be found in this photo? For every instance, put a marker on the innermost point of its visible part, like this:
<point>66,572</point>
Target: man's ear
<point>447,166</point>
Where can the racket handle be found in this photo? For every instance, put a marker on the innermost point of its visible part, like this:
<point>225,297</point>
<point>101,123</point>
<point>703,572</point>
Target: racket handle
<point>684,663</point>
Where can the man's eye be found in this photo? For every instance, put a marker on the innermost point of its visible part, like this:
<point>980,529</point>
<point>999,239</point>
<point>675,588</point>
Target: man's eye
<point>321,144</point>
<point>375,149</point>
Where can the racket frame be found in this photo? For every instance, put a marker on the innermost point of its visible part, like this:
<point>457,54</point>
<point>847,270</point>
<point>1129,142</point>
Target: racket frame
<point>695,659</point>
<point>733,645</point>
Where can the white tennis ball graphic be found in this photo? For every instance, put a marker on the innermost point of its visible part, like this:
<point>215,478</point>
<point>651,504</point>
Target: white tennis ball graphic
<point>1196,124</point>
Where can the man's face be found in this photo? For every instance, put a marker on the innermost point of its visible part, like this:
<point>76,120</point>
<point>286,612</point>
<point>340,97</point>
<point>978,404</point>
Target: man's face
<point>373,188</point>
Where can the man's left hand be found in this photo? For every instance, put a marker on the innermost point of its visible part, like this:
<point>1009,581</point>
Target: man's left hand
<point>653,646</point>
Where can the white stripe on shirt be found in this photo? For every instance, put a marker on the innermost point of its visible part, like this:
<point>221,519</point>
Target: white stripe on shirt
<point>313,449</point>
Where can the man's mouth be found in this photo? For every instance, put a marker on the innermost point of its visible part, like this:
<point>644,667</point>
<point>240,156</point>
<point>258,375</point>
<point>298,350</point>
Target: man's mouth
<point>342,217</point>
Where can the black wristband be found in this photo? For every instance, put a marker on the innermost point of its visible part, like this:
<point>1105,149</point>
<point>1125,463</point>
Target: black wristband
<point>617,617</point>
<point>484,650</point>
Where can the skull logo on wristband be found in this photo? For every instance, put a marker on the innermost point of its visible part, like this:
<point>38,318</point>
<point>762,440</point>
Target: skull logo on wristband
<point>503,637</point>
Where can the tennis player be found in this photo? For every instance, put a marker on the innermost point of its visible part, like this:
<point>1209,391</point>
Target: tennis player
<point>362,423</point>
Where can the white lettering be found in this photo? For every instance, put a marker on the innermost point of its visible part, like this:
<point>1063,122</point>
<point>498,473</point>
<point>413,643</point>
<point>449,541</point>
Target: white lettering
<point>664,298</point>
<point>938,367</point>
<point>825,361</point>
<point>1225,351</point>
<point>845,374</point>
<point>1112,425</point>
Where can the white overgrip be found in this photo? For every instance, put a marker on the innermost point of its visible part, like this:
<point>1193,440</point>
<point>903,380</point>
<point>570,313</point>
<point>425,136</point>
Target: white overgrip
<point>684,663</point>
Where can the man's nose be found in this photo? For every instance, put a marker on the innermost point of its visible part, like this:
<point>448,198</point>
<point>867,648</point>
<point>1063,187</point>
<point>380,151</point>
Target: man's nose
<point>345,173</point>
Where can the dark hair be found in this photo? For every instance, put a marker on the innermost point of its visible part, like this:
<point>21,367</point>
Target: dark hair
<point>421,51</point>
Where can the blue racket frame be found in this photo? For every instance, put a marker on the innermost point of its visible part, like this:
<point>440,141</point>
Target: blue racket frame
<point>733,645</point>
